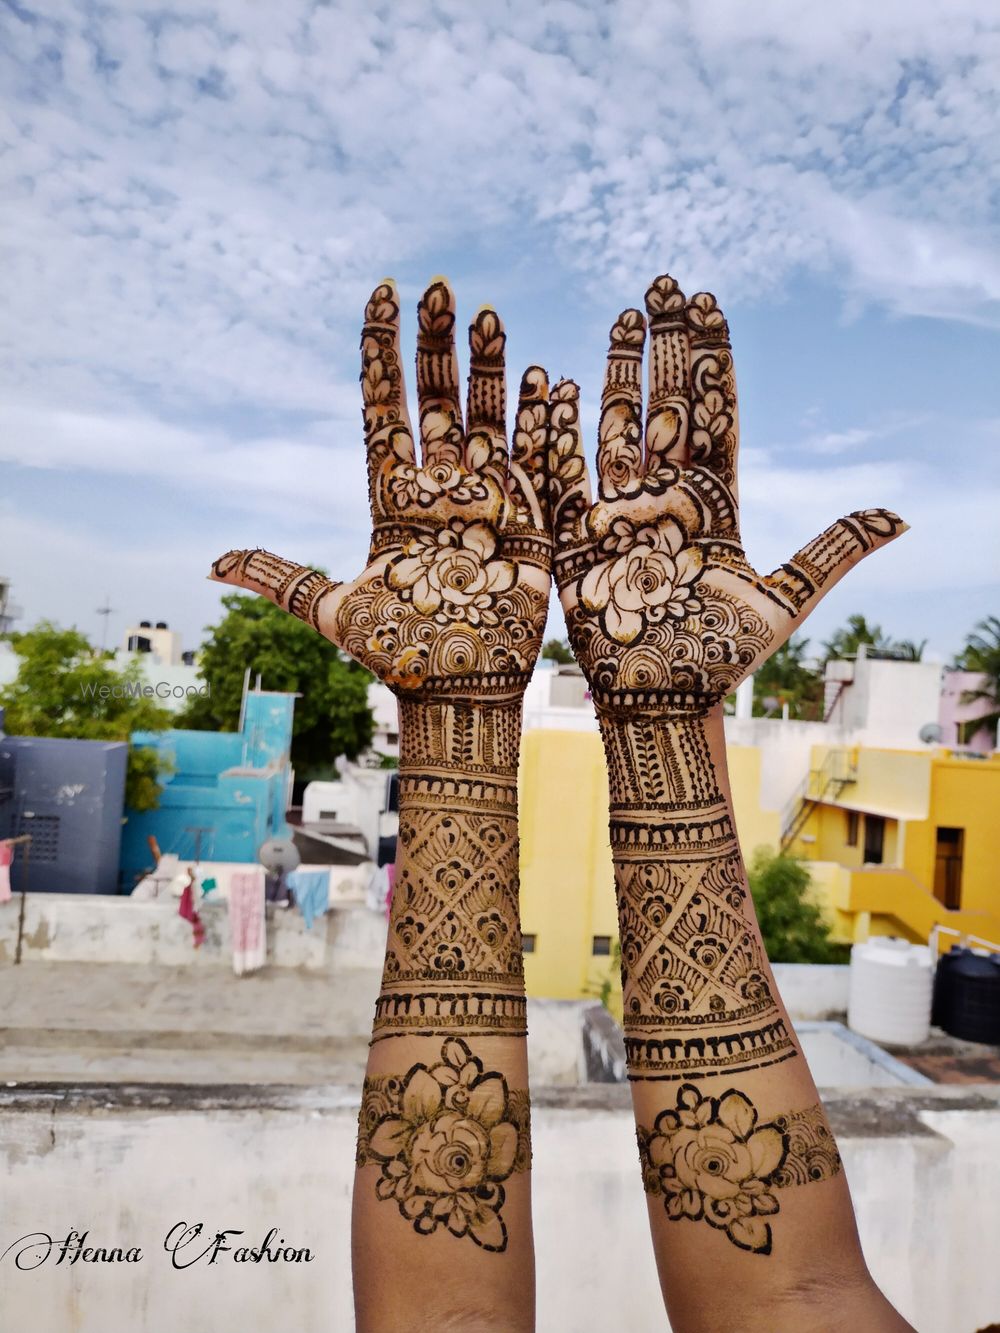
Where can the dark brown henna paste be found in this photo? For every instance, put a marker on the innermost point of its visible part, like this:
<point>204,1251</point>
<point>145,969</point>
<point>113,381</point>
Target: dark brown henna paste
<point>711,1159</point>
<point>446,1138</point>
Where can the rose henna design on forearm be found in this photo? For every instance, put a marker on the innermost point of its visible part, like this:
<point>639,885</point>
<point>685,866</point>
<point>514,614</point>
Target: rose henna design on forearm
<point>666,616</point>
<point>449,613</point>
<point>446,1138</point>
<point>710,1158</point>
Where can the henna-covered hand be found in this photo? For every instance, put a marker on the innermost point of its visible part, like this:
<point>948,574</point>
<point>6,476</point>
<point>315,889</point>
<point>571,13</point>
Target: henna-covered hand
<point>662,607</point>
<point>453,600</point>
<point>666,617</point>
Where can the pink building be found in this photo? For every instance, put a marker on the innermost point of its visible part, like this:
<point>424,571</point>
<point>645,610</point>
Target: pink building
<point>954,715</point>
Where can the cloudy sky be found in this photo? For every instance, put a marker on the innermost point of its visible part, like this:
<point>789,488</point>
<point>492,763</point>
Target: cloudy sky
<point>199,196</point>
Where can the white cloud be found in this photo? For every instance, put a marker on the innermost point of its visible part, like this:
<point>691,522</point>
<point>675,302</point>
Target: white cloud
<point>197,200</point>
<point>200,197</point>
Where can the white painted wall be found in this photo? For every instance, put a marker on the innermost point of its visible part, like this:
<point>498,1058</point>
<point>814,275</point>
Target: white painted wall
<point>813,990</point>
<point>85,928</point>
<point>385,716</point>
<point>928,1208</point>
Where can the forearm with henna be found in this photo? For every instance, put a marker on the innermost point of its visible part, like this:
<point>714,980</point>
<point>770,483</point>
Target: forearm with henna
<point>449,613</point>
<point>666,617</point>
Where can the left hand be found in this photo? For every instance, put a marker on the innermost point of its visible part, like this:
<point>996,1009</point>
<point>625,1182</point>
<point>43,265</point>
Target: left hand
<point>663,609</point>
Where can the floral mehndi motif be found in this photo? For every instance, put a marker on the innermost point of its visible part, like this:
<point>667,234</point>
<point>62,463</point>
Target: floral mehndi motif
<point>446,1138</point>
<point>710,1159</point>
<point>651,576</point>
<point>454,573</point>
<point>454,598</point>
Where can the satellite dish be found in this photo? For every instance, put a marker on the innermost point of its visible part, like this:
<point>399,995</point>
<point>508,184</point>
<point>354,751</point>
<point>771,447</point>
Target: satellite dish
<point>930,733</point>
<point>278,854</point>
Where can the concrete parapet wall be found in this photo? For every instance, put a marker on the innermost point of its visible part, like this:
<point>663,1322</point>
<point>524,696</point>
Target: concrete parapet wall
<point>923,1167</point>
<point>813,990</point>
<point>96,928</point>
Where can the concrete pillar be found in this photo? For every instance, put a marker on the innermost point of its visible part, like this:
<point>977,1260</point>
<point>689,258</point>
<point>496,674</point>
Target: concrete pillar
<point>744,698</point>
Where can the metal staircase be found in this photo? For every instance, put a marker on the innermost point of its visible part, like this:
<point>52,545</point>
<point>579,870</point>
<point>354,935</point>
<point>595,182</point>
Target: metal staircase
<point>825,783</point>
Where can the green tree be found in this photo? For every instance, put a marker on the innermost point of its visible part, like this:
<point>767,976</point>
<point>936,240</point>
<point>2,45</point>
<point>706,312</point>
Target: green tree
<point>905,650</point>
<point>793,926</point>
<point>847,640</point>
<point>66,688</point>
<point>558,650</point>
<point>785,678</point>
<point>332,716</point>
<point>982,653</point>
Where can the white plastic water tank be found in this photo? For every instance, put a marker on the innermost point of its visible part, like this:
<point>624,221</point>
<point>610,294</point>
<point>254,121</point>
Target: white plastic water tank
<point>890,991</point>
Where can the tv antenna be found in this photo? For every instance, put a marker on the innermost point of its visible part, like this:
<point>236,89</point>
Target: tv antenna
<point>106,610</point>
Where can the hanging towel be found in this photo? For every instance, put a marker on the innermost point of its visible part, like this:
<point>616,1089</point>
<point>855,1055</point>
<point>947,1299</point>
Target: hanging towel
<point>246,919</point>
<point>312,893</point>
<point>188,911</point>
<point>6,857</point>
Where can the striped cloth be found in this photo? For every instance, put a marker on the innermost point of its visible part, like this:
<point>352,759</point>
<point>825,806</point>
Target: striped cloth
<point>247,924</point>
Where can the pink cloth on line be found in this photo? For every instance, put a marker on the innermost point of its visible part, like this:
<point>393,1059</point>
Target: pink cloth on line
<point>6,856</point>
<point>247,923</point>
<point>189,912</point>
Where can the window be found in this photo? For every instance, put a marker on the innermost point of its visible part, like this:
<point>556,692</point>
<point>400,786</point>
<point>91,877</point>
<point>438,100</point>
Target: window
<point>852,828</point>
<point>874,840</point>
<point>528,943</point>
<point>602,946</point>
<point>948,866</point>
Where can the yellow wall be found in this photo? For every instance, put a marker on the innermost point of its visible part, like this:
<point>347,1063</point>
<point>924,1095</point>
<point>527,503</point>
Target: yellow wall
<point>927,791</point>
<point>754,827</point>
<point>894,782</point>
<point>567,875</point>
<point>965,794</point>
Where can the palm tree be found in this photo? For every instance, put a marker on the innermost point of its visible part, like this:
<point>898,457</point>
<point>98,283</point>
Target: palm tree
<point>786,678</point>
<point>982,653</point>
<point>857,631</point>
<point>905,650</point>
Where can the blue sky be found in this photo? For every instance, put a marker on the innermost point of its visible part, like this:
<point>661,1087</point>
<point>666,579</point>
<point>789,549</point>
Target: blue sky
<point>198,198</point>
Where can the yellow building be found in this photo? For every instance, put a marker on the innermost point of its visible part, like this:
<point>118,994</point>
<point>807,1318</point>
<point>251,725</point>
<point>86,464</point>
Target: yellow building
<point>914,838</point>
<point>568,913</point>
<point>899,841</point>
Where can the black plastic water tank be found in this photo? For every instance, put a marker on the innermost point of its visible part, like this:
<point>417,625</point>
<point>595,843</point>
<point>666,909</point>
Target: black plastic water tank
<point>944,975</point>
<point>967,996</point>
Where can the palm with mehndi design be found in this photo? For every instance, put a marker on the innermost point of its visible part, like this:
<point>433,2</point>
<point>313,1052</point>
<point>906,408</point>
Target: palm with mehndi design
<point>662,606</point>
<point>453,600</point>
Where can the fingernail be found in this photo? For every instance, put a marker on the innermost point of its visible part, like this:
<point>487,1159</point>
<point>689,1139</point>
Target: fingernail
<point>438,277</point>
<point>486,306</point>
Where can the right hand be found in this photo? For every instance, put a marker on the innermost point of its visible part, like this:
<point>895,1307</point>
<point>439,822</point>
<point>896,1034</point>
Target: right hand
<point>452,603</point>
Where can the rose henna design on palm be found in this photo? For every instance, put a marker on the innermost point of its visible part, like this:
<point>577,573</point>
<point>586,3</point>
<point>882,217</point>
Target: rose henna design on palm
<point>449,613</point>
<point>666,616</point>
